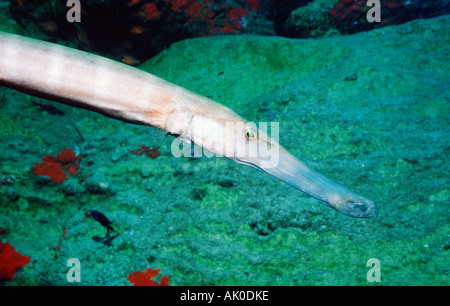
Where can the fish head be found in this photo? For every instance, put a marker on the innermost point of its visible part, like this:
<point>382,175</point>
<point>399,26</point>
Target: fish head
<point>230,136</point>
<point>253,147</point>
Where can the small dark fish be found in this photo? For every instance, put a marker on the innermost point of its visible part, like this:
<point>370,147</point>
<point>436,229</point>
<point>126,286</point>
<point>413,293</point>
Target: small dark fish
<point>100,218</point>
<point>49,109</point>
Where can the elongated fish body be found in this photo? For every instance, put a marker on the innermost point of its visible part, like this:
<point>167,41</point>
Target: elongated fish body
<point>125,93</point>
<point>93,82</point>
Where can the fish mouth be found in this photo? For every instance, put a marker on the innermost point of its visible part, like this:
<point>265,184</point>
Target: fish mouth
<point>297,174</point>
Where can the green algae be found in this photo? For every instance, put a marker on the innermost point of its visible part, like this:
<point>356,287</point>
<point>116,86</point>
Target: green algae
<point>209,221</point>
<point>12,126</point>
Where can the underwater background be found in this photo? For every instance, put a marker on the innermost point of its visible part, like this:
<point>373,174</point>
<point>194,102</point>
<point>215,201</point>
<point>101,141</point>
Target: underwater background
<point>367,105</point>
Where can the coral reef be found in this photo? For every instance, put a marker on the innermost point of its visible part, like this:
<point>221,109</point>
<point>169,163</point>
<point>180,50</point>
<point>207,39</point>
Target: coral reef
<point>310,20</point>
<point>132,31</point>
<point>350,15</point>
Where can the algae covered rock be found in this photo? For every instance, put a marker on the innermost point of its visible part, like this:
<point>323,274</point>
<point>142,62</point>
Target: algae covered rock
<point>99,183</point>
<point>369,110</point>
<point>311,20</point>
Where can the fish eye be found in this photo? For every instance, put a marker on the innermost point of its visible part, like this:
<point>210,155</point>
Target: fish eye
<point>250,134</point>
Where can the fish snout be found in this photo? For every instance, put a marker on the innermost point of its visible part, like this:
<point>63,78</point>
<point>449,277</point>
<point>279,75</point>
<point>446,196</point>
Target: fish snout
<point>296,173</point>
<point>360,208</point>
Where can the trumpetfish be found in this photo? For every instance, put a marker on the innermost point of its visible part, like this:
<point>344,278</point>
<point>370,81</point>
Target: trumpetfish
<point>89,81</point>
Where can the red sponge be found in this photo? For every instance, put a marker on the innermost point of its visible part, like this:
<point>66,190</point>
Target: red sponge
<point>143,278</point>
<point>54,166</point>
<point>10,261</point>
